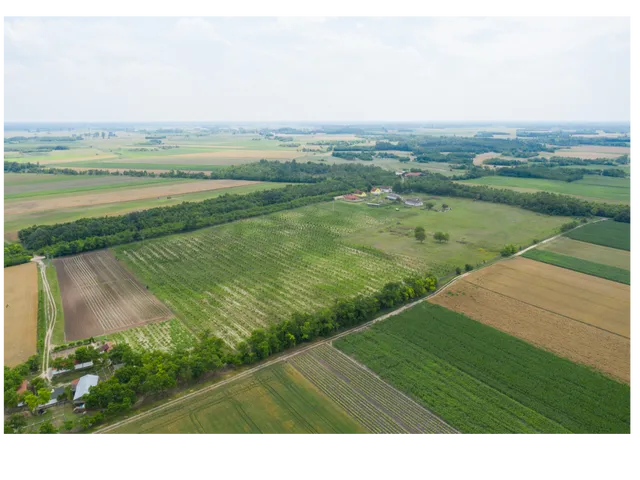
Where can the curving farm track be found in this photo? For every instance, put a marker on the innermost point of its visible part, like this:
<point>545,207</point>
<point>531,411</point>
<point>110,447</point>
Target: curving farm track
<point>51,315</point>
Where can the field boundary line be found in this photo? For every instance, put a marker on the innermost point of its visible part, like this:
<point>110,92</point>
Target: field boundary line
<point>328,341</point>
<point>365,368</point>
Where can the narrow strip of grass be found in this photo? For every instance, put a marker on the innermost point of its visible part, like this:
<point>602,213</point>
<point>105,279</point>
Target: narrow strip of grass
<point>58,330</point>
<point>583,266</point>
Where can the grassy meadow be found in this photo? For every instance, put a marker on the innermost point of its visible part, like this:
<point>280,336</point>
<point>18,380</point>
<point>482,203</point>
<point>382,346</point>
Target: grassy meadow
<point>607,233</point>
<point>589,251</point>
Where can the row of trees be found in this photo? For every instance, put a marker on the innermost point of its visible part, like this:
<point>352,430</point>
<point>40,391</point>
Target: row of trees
<point>15,254</point>
<point>155,373</point>
<point>541,202</point>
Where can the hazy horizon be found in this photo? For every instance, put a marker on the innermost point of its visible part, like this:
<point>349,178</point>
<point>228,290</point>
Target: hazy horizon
<point>303,70</point>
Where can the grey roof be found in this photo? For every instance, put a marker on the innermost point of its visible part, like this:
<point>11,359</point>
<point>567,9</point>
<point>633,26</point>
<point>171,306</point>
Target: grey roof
<point>84,384</point>
<point>80,366</point>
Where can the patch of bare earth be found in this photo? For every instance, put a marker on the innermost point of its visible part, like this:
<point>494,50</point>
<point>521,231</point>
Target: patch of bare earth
<point>100,296</point>
<point>567,338</point>
<point>122,195</point>
<point>584,298</point>
<point>20,313</point>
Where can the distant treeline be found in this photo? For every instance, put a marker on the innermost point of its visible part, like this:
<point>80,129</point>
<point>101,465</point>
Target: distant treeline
<point>540,171</point>
<point>541,202</point>
<point>324,182</point>
<point>155,373</point>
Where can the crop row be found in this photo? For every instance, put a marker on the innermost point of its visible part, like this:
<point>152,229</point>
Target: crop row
<point>413,417</point>
<point>479,379</point>
<point>245,275</point>
<point>354,403</point>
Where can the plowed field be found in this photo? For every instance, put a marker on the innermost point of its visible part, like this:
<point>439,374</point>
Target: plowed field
<point>99,296</point>
<point>20,312</point>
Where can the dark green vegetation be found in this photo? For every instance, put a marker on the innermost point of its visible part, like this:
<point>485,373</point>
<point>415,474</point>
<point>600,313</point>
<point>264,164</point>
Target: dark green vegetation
<point>583,266</point>
<point>607,233</point>
<point>15,254</point>
<point>90,234</point>
<point>481,380</point>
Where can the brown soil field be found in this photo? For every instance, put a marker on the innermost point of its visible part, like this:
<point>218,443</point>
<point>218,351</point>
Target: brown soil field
<point>79,158</point>
<point>588,152</point>
<point>20,313</point>
<point>100,296</point>
<point>481,157</point>
<point>122,195</point>
<point>589,251</point>
<point>567,338</point>
<point>584,298</point>
<point>83,169</point>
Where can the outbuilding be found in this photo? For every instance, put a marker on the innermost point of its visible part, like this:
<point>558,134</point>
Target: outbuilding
<point>84,384</point>
<point>413,202</point>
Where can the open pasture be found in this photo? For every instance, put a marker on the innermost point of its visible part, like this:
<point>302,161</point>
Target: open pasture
<point>607,233</point>
<point>589,251</point>
<point>373,403</point>
<point>277,399</point>
<point>20,312</point>
<point>583,298</point>
<point>591,187</point>
<point>99,296</point>
<point>481,380</point>
<point>556,333</point>
<point>589,152</point>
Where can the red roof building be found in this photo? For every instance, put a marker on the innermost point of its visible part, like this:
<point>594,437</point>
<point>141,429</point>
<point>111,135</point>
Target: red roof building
<point>413,174</point>
<point>350,197</point>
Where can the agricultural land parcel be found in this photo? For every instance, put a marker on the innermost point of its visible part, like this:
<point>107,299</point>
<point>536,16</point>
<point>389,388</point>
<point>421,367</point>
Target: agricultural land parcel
<point>20,313</point>
<point>580,317</point>
<point>579,265</point>
<point>100,296</point>
<point>33,199</point>
<point>589,251</point>
<point>608,234</point>
<point>591,187</point>
<point>481,380</point>
<point>261,270</point>
<point>277,399</point>
<point>319,391</point>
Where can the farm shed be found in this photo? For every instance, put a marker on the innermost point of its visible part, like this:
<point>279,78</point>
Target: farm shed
<point>350,197</point>
<point>374,204</point>
<point>413,202</point>
<point>394,197</point>
<point>413,174</point>
<point>84,384</point>
<point>386,189</point>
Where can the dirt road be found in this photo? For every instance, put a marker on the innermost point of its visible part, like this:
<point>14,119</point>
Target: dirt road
<point>50,313</point>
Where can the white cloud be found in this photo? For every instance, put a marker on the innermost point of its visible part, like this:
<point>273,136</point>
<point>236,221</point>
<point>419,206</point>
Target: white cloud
<point>317,69</point>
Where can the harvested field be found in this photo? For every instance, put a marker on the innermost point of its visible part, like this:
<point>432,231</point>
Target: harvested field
<point>100,296</point>
<point>20,313</point>
<point>367,399</point>
<point>589,251</point>
<point>481,157</point>
<point>576,341</point>
<point>30,206</point>
<point>584,298</point>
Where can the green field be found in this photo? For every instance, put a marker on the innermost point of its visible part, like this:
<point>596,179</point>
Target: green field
<point>58,330</point>
<point>588,251</point>
<point>274,400</point>
<point>481,380</point>
<point>237,277</point>
<point>591,187</point>
<point>607,233</point>
<point>579,265</point>
<point>14,223</point>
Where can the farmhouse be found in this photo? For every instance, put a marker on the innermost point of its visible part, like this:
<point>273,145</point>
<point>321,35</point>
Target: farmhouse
<point>360,194</point>
<point>84,384</point>
<point>386,189</point>
<point>351,197</point>
<point>413,202</point>
<point>400,172</point>
<point>376,191</point>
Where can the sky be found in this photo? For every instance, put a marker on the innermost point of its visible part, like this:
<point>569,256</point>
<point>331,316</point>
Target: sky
<point>343,69</point>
